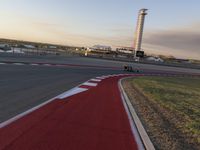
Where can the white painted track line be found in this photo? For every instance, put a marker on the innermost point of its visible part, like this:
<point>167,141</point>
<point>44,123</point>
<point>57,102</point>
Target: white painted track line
<point>5,123</point>
<point>63,95</point>
<point>71,92</point>
<point>18,63</point>
<point>90,84</point>
<point>46,64</point>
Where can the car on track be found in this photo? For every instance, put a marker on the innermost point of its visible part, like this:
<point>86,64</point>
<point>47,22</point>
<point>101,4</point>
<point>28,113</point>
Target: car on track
<point>131,69</point>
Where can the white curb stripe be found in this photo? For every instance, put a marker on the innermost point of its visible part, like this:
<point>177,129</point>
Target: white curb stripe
<point>34,64</point>
<point>72,92</point>
<point>96,80</point>
<point>90,84</point>
<point>103,77</point>
<point>46,64</point>
<point>2,63</point>
<point>100,78</point>
<point>108,76</point>
<point>113,75</point>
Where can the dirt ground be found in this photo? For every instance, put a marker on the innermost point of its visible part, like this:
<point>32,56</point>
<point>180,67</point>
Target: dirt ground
<point>162,125</point>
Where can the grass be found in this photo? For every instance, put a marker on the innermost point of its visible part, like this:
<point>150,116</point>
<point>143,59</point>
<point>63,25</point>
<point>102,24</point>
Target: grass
<point>179,95</point>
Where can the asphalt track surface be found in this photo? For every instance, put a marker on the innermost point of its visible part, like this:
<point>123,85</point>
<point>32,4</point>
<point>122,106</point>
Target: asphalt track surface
<point>75,60</point>
<point>25,86</point>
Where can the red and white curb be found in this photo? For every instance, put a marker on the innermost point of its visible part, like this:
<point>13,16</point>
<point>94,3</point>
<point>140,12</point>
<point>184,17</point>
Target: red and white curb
<point>87,85</point>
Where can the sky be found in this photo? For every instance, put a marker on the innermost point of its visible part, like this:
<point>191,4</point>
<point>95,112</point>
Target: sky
<point>171,26</point>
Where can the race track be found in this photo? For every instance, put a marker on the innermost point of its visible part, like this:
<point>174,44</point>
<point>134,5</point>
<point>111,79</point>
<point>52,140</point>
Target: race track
<point>23,87</point>
<point>91,116</point>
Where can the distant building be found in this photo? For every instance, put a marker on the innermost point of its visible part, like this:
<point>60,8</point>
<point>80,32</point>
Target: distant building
<point>5,47</point>
<point>125,50</point>
<point>100,49</point>
<point>2,51</point>
<point>52,47</point>
<point>29,46</point>
<point>16,50</point>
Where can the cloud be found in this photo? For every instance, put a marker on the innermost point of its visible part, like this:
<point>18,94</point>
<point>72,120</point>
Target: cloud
<point>181,42</point>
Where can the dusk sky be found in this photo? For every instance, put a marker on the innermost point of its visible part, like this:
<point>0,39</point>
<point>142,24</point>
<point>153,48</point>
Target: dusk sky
<point>172,27</point>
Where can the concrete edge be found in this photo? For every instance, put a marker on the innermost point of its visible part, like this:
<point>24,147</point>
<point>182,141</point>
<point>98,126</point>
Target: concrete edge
<point>147,143</point>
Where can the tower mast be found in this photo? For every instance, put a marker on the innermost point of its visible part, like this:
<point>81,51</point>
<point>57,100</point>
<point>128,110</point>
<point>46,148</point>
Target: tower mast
<point>139,30</point>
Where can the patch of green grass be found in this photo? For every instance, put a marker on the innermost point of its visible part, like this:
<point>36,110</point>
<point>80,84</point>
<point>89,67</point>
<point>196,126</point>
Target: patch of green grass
<point>180,95</point>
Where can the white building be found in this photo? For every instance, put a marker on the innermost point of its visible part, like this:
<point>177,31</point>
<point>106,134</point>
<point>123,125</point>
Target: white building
<point>125,50</point>
<point>52,47</point>
<point>29,46</point>
<point>102,47</point>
